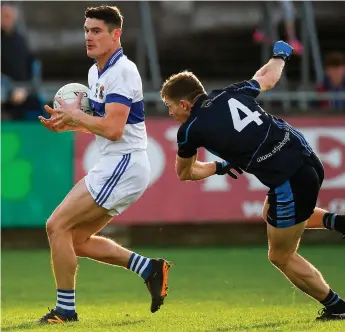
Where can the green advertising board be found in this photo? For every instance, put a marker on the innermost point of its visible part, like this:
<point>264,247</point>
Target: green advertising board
<point>36,173</point>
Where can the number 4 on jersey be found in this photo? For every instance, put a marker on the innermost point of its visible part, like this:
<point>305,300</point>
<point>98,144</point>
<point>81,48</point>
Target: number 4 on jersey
<point>240,124</point>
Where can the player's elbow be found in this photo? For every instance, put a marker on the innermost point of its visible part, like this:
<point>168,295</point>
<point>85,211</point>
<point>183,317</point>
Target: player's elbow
<point>115,135</point>
<point>267,81</point>
<point>183,175</point>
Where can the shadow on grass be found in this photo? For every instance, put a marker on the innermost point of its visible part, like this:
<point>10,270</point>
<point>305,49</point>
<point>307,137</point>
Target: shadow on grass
<point>22,326</point>
<point>37,326</point>
<point>127,322</point>
<point>266,326</point>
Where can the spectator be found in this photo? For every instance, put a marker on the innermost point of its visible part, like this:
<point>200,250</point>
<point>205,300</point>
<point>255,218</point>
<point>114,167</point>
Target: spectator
<point>16,68</point>
<point>334,80</point>
<point>288,10</point>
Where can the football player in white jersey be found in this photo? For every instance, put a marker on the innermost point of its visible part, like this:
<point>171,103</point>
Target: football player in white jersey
<point>117,181</point>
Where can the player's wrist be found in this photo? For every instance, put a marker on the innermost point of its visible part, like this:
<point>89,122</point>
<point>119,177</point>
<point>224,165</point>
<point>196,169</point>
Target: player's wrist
<point>77,116</point>
<point>218,168</point>
<point>280,58</point>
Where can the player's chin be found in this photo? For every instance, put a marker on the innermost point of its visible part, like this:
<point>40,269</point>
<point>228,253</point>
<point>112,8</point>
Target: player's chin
<point>91,52</point>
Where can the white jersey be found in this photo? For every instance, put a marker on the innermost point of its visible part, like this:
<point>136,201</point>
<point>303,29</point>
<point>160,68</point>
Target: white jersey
<point>119,82</point>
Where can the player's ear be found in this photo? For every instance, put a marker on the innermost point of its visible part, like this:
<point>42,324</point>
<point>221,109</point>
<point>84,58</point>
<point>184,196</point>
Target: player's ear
<point>185,104</point>
<point>117,33</point>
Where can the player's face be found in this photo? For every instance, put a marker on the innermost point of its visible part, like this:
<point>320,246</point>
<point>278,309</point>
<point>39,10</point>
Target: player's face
<point>179,111</point>
<point>99,40</point>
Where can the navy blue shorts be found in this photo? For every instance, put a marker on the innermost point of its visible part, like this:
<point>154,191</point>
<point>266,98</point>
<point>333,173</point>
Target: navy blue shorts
<point>294,201</point>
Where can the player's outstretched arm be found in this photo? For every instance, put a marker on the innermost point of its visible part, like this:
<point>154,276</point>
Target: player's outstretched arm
<point>190,169</point>
<point>268,75</point>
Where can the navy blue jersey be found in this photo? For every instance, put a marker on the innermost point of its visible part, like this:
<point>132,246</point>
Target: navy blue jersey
<point>231,124</point>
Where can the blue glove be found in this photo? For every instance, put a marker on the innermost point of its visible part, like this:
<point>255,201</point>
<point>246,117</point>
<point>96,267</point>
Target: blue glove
<point>282,50</point>
<point>224,167</point>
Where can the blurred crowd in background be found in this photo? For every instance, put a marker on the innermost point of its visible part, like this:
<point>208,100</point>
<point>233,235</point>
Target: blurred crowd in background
<point>29,68</point>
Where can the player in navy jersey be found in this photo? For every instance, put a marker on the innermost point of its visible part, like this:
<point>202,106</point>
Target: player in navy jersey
<point>231,124</point>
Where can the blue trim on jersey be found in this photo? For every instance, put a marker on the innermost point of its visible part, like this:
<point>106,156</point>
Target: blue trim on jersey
<point>248,85</point>
<point>252,86</point>
<point>116,98</point>
<point>111,61</point>
<point>299,135</point>
<point>98,108</point>
<point>268,130</point>
<point>137,113</point>
<point>296,133</point>
<point>113,180</point>
<point>284,194</point>
<point>187,130</point>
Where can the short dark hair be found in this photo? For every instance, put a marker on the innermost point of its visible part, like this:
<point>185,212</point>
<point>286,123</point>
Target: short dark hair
<point>334,59</point>
<point>111,15</point>
<point>184,85</point>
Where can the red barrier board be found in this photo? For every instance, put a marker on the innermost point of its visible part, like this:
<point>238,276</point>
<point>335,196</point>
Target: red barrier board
<point>218,198</point>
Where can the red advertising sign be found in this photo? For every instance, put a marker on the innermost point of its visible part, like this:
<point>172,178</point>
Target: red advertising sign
<point>218,198</point>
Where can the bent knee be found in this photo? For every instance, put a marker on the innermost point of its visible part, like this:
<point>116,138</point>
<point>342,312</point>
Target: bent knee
<point>56,226</point>
<point>52,226</point>
<point>278,258</point>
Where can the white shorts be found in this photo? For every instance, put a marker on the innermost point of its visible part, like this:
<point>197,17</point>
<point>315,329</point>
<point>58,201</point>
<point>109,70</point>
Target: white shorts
<point>116,182</point>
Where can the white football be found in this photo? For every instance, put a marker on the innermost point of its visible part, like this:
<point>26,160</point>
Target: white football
<point>69,94</point>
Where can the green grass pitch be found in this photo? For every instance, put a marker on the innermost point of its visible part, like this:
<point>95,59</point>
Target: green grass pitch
<point>223,289</point>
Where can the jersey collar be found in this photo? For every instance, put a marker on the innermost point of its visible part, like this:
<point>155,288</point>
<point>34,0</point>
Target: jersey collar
<point>111,61</point>
<point>199,102</point>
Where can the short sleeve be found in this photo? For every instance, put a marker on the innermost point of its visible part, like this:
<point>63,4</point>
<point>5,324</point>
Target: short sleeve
<point>251,88</point>
<point>186,146</point>
<point>121,87</point>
